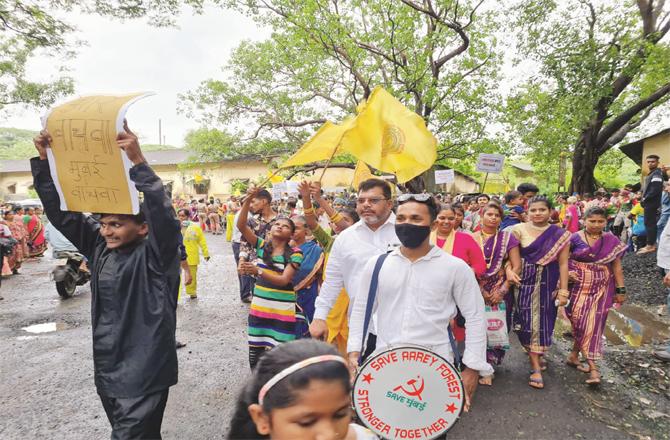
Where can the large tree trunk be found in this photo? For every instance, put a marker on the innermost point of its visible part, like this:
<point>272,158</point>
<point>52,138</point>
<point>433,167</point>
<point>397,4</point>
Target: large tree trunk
<point>416,185</point>
<point>584,161</point>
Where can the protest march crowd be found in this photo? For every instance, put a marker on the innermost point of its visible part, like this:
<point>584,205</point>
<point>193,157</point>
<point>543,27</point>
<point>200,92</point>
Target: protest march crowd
<point>331,279</point>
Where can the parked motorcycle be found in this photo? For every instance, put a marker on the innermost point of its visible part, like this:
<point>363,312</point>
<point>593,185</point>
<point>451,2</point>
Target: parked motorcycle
<point>68,273</point>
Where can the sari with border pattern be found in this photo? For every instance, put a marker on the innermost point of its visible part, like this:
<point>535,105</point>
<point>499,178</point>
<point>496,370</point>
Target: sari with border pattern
<point>592,290</point>
<point>535,312</point>
<point>493,280</point>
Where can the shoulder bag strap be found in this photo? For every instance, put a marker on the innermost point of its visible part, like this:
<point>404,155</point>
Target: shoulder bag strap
<point>372,294</point>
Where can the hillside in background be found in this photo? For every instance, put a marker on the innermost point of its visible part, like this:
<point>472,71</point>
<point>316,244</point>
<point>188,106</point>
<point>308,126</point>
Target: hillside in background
<point>17,143</point>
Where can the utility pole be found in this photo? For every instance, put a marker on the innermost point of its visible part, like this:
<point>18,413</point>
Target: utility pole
<point>160,132</point>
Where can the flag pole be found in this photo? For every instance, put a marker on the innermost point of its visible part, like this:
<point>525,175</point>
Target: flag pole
<point>274,173</point>
<point>328,163</point>
<point>260,185</point>
<point>485,179</point>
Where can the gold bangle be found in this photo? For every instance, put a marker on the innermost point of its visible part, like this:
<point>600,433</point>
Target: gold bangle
<point>308,211</point>
<point>336,218</point>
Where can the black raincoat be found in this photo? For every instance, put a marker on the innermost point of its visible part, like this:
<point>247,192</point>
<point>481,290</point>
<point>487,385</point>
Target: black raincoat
<point>134,290</point>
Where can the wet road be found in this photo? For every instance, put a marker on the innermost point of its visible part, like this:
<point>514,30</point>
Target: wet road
<point>47,391</point>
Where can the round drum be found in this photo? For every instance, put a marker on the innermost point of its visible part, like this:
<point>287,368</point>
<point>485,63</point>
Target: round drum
<point>408,392</point>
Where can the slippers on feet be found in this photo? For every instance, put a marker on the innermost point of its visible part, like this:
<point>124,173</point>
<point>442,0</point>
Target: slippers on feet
<point>536,383</point>
<point>486,380</point>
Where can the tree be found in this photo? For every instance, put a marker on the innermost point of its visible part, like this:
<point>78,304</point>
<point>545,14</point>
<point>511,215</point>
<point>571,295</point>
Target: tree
<point>603,69</point>
<point>28,28</point>
<point>325,57</point>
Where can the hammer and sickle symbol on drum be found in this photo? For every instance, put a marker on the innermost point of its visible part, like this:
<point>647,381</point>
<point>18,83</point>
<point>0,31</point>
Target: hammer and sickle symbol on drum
<point>415,392</point>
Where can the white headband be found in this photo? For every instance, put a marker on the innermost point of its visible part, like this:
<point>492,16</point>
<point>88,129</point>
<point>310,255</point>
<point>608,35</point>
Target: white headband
<point>295,367</point>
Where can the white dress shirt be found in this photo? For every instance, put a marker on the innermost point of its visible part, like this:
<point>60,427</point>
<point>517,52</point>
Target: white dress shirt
<point>237,234</point>
<point>416,301</point>
<point>352,249</point>
<point>663,252</point>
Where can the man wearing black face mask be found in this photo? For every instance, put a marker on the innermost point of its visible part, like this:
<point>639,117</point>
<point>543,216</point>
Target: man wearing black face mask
<point>419,288</point>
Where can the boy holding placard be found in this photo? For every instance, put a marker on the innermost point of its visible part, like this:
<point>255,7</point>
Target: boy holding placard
<point>134,263</point>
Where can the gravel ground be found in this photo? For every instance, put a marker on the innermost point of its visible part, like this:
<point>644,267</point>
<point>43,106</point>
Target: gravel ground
<point>644,282</point>
<point>47,387</point>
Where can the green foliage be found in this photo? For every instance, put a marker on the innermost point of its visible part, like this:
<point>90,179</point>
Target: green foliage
<point>324,58</point>
<point>16,143</point>
<point>212,145</point>
<point>602,69</point>
<point>29,27</point>
<point>239,186</point>
<point>615,170</point>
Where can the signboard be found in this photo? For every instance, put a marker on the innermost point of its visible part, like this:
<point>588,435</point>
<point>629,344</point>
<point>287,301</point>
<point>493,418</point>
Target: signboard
<point>278,189</point>
<point>444,176</point>
<point>490,163</point>
<point>408,392</point>
<point>292,188</point>
<point>90,171</point>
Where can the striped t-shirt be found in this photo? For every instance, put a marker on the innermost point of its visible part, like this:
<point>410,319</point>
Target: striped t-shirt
<point>272,311</point>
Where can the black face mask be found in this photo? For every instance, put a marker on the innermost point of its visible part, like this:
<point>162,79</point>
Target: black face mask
<point>411,236</point>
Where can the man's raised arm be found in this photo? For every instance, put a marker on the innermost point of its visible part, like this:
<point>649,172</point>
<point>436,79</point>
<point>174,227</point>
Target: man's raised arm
<point>81,230</point>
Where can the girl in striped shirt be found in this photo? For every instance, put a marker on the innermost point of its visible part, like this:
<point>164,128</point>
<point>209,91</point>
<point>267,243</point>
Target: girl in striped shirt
<point>272,313</point>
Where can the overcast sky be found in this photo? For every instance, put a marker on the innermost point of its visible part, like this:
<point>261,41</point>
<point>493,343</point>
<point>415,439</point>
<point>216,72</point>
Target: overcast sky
<point>132,56</point>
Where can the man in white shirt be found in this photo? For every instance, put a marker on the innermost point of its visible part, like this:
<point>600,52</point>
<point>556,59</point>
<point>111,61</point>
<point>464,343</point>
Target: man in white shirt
<point>663,261</point>
<point>419,288</point>
<point>373,235</point>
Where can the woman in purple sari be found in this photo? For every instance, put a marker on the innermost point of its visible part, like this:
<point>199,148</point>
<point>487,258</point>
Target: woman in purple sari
<point>503,265</point>
<point>597,282</point>
<point>544,282</point>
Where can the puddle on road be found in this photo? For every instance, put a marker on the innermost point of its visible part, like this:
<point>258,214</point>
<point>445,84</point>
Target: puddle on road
<point>47,327</point>
<point>632,325</point>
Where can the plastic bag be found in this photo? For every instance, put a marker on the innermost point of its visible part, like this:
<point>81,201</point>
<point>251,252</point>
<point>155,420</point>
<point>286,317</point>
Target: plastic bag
<point>497,335</point>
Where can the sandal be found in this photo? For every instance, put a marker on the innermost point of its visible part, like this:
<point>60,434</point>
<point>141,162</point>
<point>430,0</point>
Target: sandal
<point>578,366</point>
<point>594,381</point>
<point>538,384</point>
<point>486,380</point>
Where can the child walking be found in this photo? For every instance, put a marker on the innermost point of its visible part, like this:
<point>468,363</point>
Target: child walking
<point>272,318</point>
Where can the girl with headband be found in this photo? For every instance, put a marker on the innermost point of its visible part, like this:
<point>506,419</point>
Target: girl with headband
<point>299,390</point>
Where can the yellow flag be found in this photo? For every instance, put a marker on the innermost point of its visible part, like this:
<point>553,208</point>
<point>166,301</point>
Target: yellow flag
<point>361,173</point>
<point>321,146</point>
<point>390,137</point>
<point>197,178</point>
<point>274,178</point>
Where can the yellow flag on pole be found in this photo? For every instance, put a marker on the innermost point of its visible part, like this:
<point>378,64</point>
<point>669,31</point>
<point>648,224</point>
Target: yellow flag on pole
<point>361,173</point>
<point>321,146</point>
<point>274,178</point>
<point>390,137</point>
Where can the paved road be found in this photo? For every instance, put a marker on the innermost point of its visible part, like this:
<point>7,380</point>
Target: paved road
<point>47,391</point>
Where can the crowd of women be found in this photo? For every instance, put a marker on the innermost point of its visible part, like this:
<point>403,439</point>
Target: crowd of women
<point>532,263</point>
<point>21,236</point>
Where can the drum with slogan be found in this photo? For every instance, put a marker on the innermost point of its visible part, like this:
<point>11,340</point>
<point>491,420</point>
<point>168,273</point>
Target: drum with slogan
<point>408,392</point>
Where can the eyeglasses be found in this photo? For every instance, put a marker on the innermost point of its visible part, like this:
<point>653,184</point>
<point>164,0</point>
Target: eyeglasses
<point>418,197</point>
<point>372,200</point>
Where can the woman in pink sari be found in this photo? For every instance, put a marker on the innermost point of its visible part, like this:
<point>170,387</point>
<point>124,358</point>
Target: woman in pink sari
<point>37,244</point>
<point>457,243</point>
<point>460,244</point>
<point>19,234</point>
<point>571,220</point>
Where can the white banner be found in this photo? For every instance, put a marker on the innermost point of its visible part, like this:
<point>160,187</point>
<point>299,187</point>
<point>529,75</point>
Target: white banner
<point>490,163</point>
<point>444,176</point>
<point>277,190</point>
